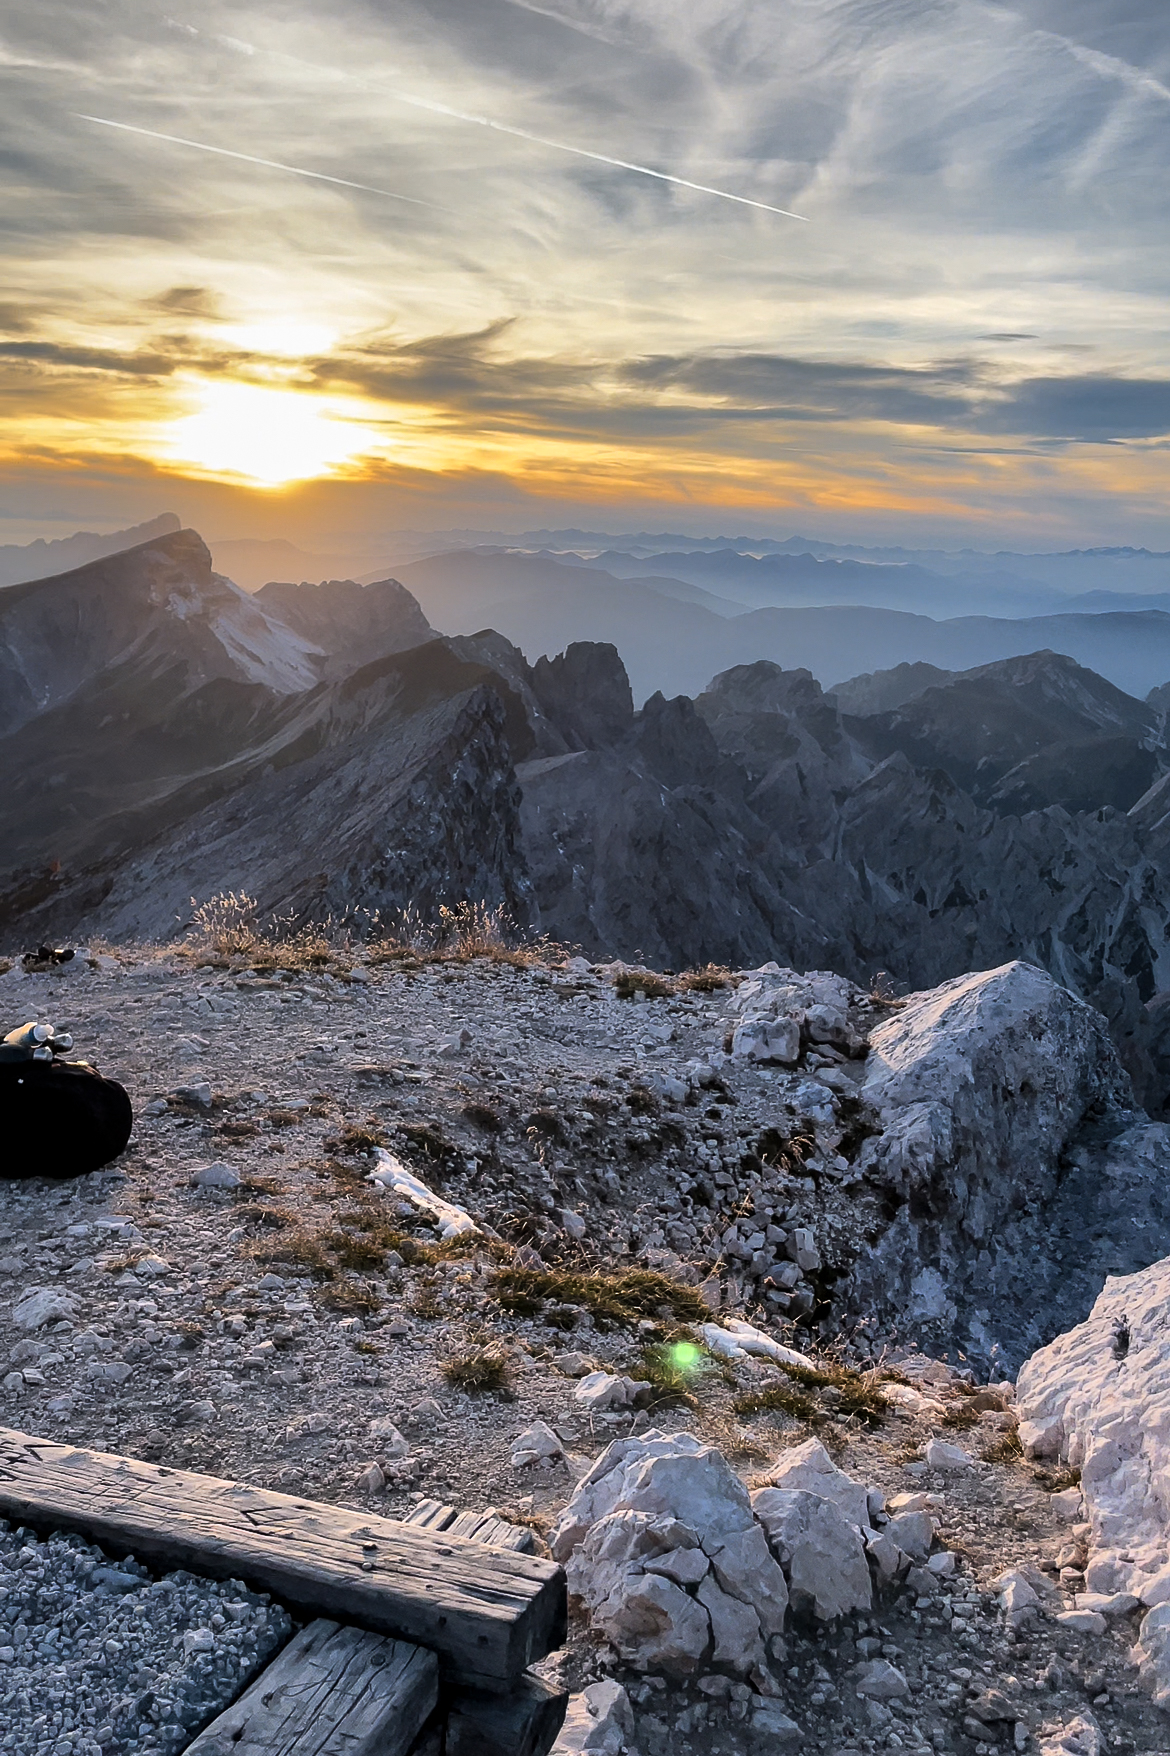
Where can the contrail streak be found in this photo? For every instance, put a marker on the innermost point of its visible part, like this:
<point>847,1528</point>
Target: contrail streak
<point>582,152</point>
<point>437,109</point>
<point>249,159</point>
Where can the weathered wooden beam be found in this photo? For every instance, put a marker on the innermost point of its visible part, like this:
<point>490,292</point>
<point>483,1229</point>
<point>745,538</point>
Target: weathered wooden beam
<point>488,1612</point>
<point>430,1515</point>
<point>524,1723</point>
<point>477,1527</point>
<point>489,1527</point>
<point>333,1691</point>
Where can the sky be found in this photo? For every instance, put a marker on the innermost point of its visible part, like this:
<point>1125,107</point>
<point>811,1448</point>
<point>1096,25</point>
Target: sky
<point>439,302</point>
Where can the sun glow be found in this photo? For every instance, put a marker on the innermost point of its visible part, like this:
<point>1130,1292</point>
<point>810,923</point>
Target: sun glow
<point>268,436</point>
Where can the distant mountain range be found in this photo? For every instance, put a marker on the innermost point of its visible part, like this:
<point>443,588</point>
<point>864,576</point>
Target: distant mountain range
<point>165,736</point>
<point>21,562</point>
<point>675,643</point>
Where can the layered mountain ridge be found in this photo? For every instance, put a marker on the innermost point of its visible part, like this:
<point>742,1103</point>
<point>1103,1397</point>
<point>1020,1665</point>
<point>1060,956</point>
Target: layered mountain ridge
<point>321,747</point>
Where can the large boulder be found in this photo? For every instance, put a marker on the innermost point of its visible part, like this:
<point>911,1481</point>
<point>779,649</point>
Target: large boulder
<point>681,1570</point>
<point>669,1475</point>
<point>821,1550</point>
<point>662,1549</point>
<point>1006,1123</point>
<point>1098,1399</point>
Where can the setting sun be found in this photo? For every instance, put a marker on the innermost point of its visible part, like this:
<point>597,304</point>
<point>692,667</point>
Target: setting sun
<point>268,436</point>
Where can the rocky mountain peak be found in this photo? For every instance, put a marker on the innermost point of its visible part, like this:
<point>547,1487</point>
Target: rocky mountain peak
<point>350,623</point>
<point>586,694</point>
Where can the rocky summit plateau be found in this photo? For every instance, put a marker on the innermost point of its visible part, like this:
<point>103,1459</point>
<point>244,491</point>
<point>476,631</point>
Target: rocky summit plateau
<point>727,1136</point>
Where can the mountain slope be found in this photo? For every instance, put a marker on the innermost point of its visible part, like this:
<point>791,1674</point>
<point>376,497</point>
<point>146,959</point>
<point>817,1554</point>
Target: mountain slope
<point>146,611</point>
<point>1026,733</point>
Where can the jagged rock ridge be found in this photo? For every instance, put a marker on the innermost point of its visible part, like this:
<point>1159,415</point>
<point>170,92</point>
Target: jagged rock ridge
<point>182,727</point>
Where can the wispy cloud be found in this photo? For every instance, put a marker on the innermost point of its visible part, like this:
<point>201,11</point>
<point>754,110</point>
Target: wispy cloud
<point>549,239</point>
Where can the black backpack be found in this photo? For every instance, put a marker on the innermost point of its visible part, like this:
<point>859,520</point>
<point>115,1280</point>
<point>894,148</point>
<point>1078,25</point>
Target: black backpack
<point>59,1119</point>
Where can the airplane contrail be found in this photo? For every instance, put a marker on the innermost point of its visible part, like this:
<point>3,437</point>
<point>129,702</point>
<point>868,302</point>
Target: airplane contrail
<point>581,152</point>
<point>249,159</point>
<point>438,109</point>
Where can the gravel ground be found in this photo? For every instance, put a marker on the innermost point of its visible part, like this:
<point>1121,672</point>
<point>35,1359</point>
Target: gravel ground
<point>264,1331</point>
<point>99,1658</point>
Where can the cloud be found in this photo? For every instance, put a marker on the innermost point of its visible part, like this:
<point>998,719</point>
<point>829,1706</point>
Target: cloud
<point>988,186</point>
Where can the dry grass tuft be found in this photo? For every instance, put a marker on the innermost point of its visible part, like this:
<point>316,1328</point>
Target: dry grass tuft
<point>781,1399</point>
<point>477,1372</point>
<point>296,1247</point>
<point>1006,1449</point>
<point>353,1297</point>
<point>357,1140</point>
<point>426,1302</point>
<point>629,982</point>
<point>620,1299</point>
<point>707,980</point>
<point>230,930</point>
<point>857,1394</point>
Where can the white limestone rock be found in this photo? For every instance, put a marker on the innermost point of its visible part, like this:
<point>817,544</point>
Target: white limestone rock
<point>216,1176</point>
<point>601,1392</point>
<point>767,1041</point>
<point>735,1629</point>
<point>984,1086</point>
<point>940,1454</point>
<point>820,1549</point>
<point>651,1620</point>
<point>810,1467</point>
<point>1076,1737</point>
<point>662,1548</point>
<point>1098,1398</point>
<point>40,1305</point>
<point>747,1569</point>
<point>772,1728</point>
<point>666,1475</point>
<point>599,1722</point>
<point>913,1532</point>
<point>879,1680</point>
<point>537,1444</point>
<point>1153,1653</point>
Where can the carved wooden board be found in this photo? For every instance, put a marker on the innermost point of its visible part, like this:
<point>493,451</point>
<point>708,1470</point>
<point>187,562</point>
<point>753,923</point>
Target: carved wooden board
<point>488,1612</point>
<point>333,1691</point>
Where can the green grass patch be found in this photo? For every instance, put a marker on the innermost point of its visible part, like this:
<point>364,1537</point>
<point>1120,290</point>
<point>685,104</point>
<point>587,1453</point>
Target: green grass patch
<point>675,1370</point>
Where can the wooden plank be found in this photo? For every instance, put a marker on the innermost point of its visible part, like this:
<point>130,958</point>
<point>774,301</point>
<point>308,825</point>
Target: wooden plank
<point>525,1723</point>
<point>430,1515</point>
<point>489,1527</point>
<point>489,1613</point>
<point>333,1691</point>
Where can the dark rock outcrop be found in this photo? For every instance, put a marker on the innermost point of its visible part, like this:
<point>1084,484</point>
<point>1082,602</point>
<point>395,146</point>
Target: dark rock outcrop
<point>586,694</point>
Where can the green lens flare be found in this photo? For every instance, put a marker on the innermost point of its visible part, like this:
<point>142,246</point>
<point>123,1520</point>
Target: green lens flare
<point>685,1356</point>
